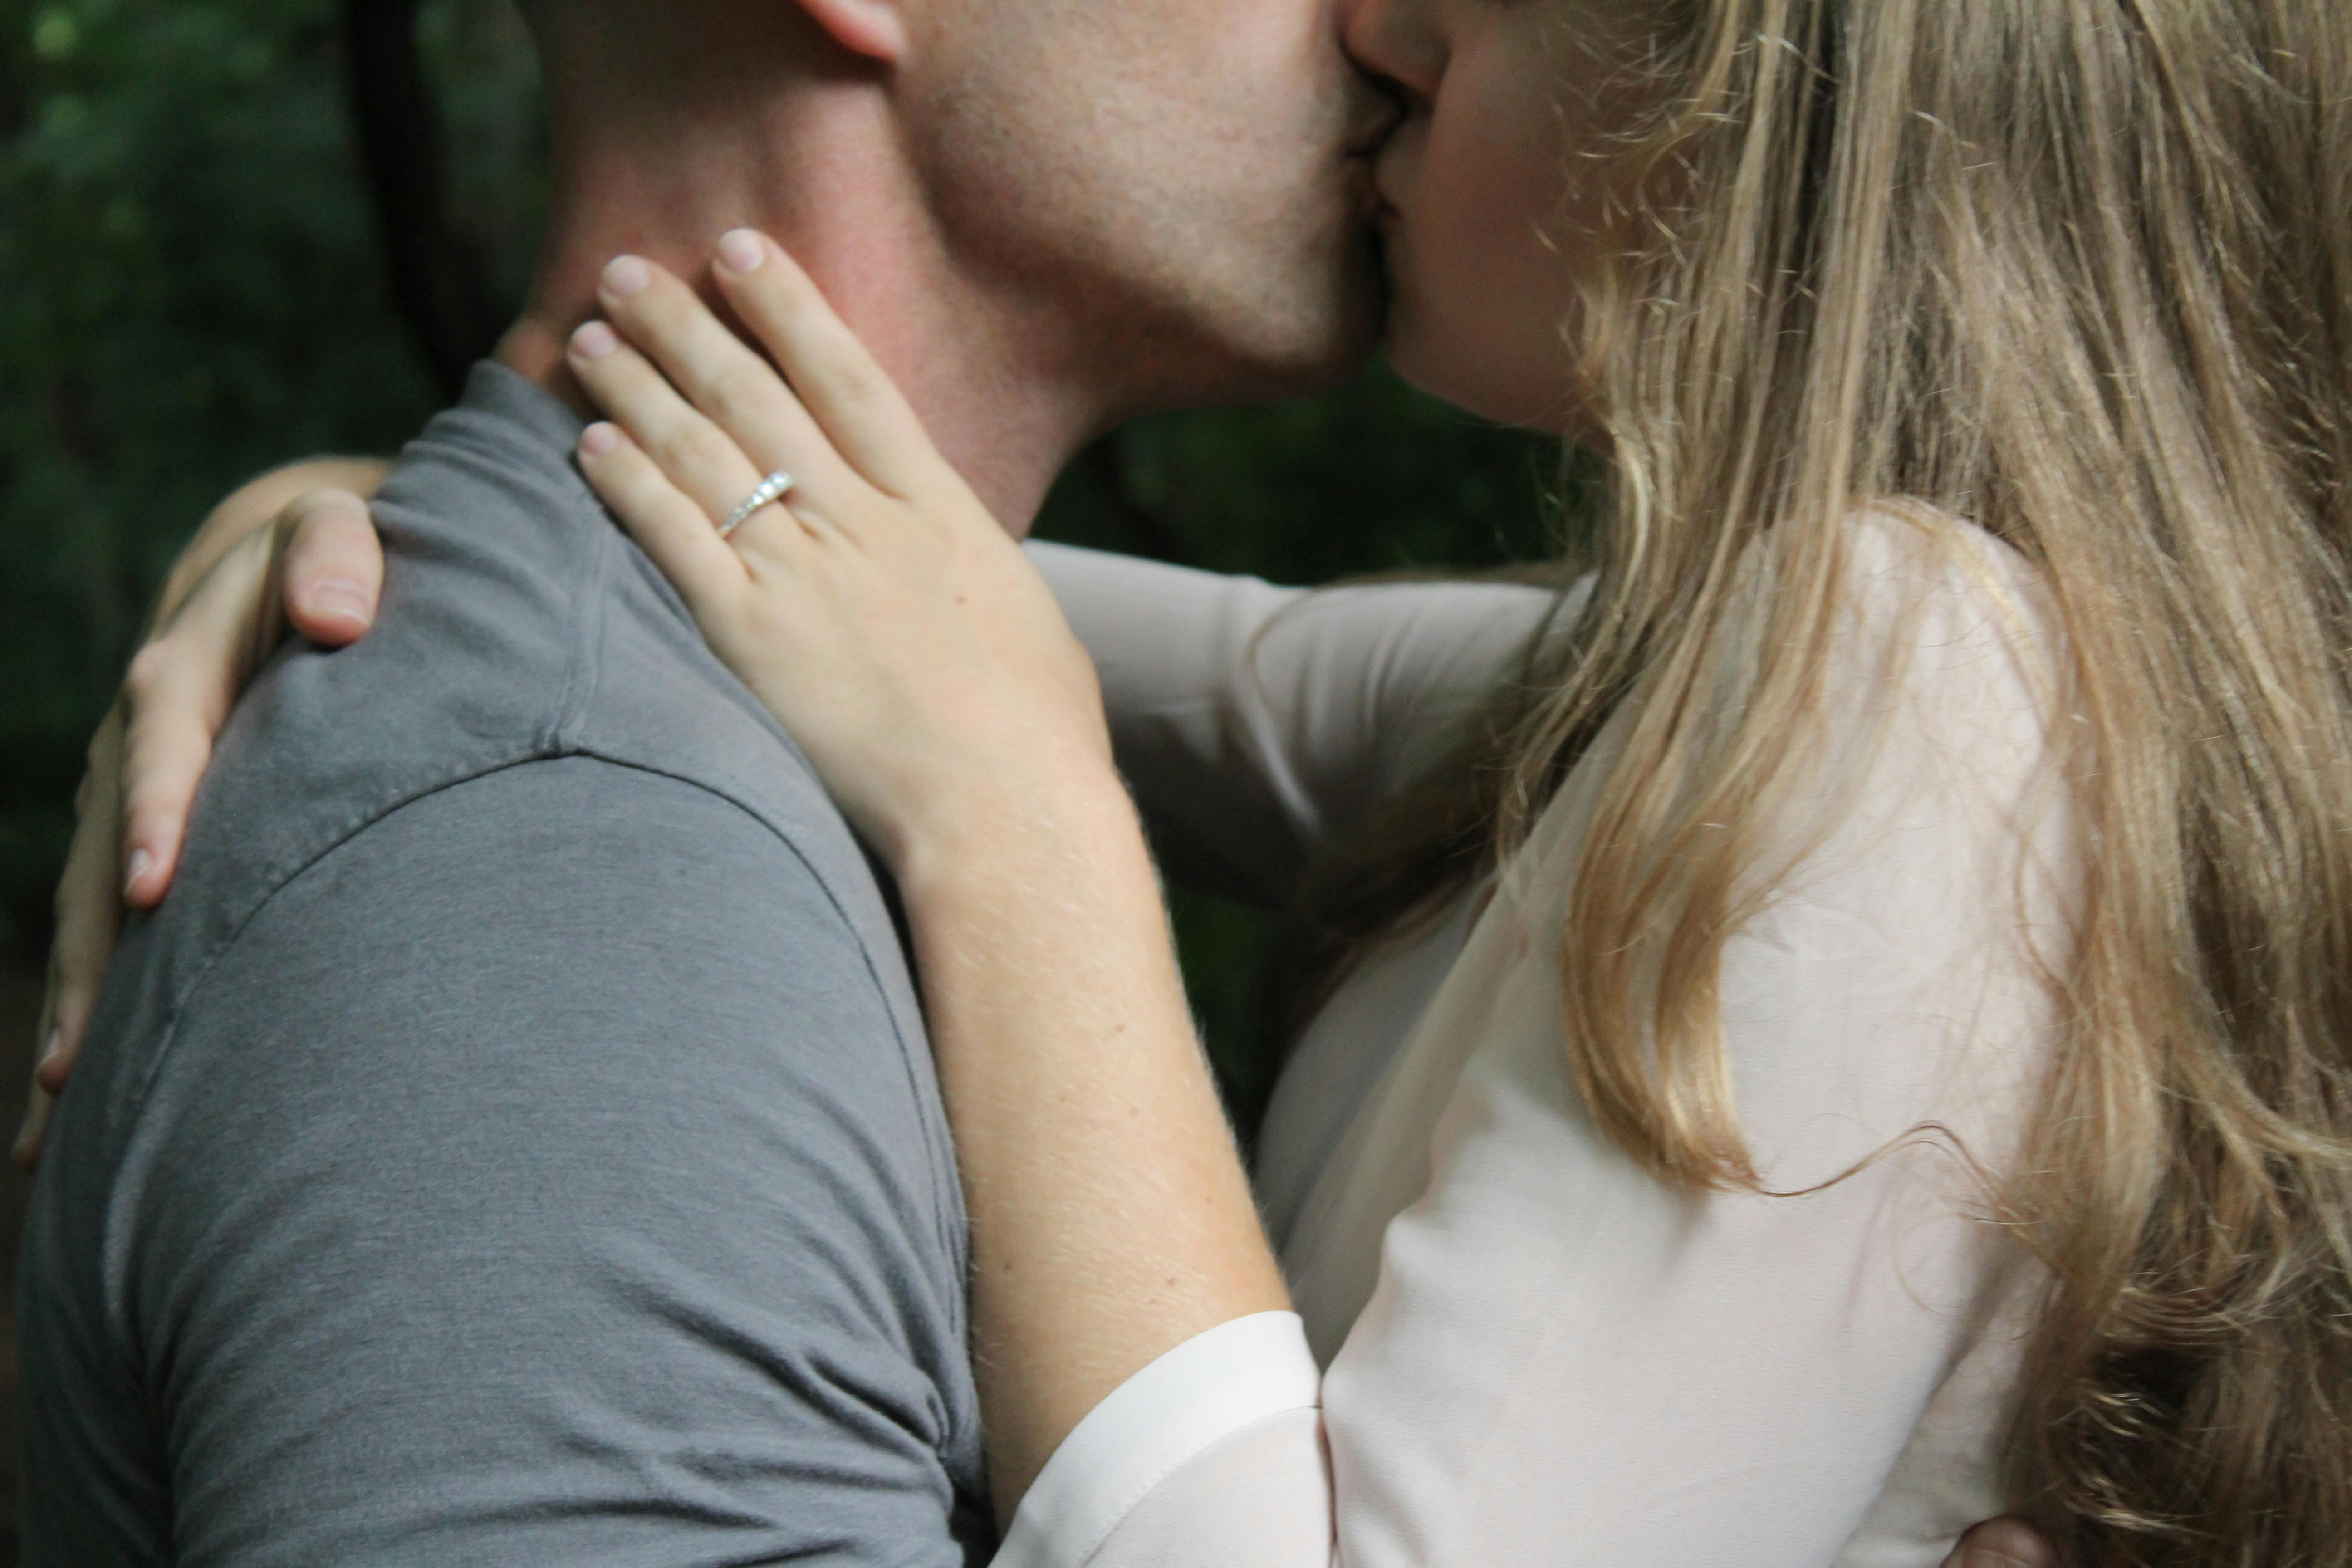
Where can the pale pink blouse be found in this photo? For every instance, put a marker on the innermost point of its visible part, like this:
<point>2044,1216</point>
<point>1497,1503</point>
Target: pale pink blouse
<point>1512,1344</point>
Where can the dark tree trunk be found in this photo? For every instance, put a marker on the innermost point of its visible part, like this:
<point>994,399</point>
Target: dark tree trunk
<point>439,281</point>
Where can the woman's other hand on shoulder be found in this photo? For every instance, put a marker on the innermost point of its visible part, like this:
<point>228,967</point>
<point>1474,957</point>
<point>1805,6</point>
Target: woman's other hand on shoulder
<point>280,557</point>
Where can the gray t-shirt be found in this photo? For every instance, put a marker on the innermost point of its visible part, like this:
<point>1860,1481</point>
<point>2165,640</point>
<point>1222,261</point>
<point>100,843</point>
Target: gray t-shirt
<point>514,1140</point>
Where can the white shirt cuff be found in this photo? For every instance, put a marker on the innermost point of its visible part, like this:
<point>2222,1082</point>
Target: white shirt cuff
<point>1202,1392</point>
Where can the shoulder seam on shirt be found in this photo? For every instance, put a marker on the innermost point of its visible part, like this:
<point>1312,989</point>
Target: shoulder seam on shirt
<point>177,1011</point>
<point>277,881</point>
<point>179,1004</point>
<point>944,1177</point>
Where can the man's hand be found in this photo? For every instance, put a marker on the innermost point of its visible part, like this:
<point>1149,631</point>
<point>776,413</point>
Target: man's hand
<point>315,566</point>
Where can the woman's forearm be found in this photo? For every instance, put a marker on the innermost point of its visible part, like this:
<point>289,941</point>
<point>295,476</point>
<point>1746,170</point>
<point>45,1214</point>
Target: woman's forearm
<point>255,505</point>
<point>1111,1218</point>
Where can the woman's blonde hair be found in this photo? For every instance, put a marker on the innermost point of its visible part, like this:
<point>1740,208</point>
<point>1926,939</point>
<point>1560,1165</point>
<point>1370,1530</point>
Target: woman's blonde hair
<point>2081,272</point>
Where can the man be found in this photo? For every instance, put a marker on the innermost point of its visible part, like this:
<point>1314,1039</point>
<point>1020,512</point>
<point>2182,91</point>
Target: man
<point>514,1140</point>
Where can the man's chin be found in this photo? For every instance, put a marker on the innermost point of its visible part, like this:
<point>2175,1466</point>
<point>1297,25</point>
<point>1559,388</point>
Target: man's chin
<point>1294,343</point>
<point>1347,330</point>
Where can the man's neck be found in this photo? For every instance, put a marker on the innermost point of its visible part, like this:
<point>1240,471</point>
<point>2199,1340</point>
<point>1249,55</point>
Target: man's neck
<point>820,175</point>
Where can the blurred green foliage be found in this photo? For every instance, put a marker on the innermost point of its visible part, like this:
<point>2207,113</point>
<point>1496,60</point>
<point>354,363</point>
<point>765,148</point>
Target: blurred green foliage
<point>192,290</point>
<point>188,293</point>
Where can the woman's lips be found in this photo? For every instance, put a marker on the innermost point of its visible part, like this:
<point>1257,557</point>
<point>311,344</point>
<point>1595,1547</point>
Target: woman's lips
<point>1364,189</point>
<point>1374,210</point>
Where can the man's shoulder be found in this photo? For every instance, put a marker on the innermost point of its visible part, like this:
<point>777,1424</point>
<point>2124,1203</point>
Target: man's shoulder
<point>535,1097</point>
<point>565,874</point>
<point>533,883</point>
<point>614,849</point>
<point>556,935</point>
<point>519,627</point>
<point>535,696</point>
<point>638,834</point>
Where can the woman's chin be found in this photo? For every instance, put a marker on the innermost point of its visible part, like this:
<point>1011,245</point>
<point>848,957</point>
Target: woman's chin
<point>1410,355</point>
<point>1446,372</point>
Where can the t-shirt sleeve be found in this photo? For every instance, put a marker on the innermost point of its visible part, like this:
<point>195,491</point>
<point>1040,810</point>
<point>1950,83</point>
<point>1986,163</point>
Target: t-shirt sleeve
<point>540,1177</point>
<point>1255,721</point>
<point>1564,1361</point>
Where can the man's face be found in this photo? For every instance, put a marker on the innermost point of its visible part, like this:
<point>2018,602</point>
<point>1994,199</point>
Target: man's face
<point>1184,181</point>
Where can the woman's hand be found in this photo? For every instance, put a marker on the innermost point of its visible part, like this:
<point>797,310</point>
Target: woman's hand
<point>314,567</point>
<point>878,610</point>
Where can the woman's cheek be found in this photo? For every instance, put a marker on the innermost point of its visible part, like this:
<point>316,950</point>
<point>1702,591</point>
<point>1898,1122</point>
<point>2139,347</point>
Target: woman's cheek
<point>1481,295</point>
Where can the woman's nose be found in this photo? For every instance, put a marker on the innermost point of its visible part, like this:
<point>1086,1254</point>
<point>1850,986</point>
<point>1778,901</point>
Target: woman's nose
<point>1394,42</point>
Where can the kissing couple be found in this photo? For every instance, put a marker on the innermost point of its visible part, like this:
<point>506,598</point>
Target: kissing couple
<point>663,1045</point>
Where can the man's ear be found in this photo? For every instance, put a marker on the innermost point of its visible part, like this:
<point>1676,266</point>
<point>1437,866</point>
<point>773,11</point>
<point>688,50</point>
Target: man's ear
<point>873,29</point>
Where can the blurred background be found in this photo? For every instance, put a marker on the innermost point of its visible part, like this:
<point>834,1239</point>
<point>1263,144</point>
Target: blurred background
<point>237,233</point>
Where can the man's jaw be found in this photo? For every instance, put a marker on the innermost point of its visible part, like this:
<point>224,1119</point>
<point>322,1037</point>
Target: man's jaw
<point>1009,391</point>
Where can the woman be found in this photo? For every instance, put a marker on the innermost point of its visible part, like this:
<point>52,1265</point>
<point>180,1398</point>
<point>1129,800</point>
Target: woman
<point>1855,1030</point>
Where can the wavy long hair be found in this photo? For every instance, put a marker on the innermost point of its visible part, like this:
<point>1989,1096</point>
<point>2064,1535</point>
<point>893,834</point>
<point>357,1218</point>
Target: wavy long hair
<point>2081,272</point>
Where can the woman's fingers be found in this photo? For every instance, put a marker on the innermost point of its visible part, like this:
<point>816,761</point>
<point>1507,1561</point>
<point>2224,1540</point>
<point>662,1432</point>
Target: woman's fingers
<point>319,565</point>
<point>857,404</point>
<point>698,458</point>
<point>724,378</point>
<point>33,1131</point>
<point>90,914</point>
<point>333,567</point>
<point>90,918</point>
<point>669,525</point>
<point>177,697</point>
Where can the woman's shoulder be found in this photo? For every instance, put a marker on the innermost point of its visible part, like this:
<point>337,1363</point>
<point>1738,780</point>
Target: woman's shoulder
<point>1947,592</point>
<point>1932,728</point>
<point>1948,647</point>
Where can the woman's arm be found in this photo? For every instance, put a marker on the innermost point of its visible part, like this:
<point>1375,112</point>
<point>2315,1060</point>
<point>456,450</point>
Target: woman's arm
<point>1257,722</point>
<point>1070,1068</point>
<point>293,549</point>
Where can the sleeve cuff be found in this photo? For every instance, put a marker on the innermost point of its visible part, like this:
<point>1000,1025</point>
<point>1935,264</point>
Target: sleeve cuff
<point>1205,1390</point>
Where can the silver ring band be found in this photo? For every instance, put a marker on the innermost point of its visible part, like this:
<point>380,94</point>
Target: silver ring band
<point>772,488</point>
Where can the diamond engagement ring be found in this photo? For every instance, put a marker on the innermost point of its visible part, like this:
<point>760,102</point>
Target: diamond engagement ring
<point>772,488</point>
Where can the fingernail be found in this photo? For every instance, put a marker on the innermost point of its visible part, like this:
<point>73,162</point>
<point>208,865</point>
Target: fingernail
<point>1983,1559</point>
<point>50,1073</point>
<point>30,1136</point>
<point>599,440</point>
<point>341,598</point>
<point>627,275</point>
<point>594,341</point>
<point>741,252</point>
<point>141,862</point>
